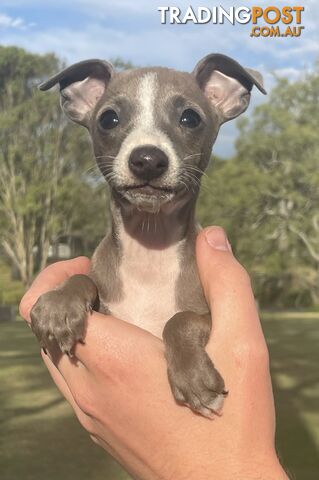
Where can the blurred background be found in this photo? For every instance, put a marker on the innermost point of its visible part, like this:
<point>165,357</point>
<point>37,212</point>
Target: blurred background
<point>262,186</point>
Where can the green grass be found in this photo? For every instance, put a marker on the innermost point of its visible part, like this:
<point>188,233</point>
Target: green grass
<point>294,352</point>
<point>10,290</point>
<point>40,438</point>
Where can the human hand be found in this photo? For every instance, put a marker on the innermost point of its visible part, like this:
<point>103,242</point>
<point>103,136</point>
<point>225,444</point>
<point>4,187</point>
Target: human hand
<point>118,387</point>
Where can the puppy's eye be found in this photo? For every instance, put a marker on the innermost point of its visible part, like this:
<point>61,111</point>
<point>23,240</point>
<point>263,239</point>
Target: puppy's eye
<point>109,120</point>
<point>190,119</point>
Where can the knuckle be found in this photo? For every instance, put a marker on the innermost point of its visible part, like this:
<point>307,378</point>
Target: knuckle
<point>85,402</point>
<point>94,439</point>
<point>86,423</point>
<point>241,273</point>
<point>229,272</point>
<point>26,304</point>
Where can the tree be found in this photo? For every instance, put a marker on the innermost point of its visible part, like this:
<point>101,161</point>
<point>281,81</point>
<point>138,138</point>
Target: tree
<point>43,160</point>
<point>19,71</point>
<point>267,196</point>
<point>281,139</point>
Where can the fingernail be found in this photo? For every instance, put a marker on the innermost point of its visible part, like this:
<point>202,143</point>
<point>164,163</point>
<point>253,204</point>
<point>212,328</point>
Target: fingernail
<point>216,238</point>
<point>44,351</point>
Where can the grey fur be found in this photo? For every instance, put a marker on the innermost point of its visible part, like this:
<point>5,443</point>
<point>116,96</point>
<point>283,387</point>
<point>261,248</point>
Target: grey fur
<point>166,204</point>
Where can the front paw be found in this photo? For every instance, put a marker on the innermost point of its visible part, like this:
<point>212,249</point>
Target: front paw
<point>196,383</point>
<point>59,317</point>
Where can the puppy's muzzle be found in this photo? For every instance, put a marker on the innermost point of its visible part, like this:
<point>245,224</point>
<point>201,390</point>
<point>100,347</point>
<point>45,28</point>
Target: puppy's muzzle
<point>148,162</point>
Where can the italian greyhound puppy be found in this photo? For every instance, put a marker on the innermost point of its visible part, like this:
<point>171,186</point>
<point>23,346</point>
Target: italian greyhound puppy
<point>152,132</point>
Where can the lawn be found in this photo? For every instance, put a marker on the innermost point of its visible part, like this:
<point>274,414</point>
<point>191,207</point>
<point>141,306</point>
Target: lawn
<point>10,290</point>
<point>40,438</point>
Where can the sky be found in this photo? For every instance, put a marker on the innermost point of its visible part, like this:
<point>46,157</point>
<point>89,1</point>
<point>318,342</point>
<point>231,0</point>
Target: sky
<point>131,29</point>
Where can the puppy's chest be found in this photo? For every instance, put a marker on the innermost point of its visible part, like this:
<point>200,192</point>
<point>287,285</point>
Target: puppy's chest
<point>149,280</point>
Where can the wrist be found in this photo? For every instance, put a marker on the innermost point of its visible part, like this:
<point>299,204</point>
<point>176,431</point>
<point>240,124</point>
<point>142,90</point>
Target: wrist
<point>270,469</point>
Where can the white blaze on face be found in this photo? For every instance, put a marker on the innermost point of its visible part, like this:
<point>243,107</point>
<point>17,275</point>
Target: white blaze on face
<point>146,132</point>
<point>146,94</point>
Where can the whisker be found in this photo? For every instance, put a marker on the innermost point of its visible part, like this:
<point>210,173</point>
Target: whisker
<point>192,177</point>
<point>94,170</point>
<point>91,169</point>
<point>106,156</point>
<point>189,184</point>
<point>194,182</point>
<point>192,155</point>
<point>196,169</point>
<point>105,164</point>
<point>198,183</point>
<point>185,185</point>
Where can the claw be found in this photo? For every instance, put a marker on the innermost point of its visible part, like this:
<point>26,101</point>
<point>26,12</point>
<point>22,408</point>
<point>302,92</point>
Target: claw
<point>89,308</point>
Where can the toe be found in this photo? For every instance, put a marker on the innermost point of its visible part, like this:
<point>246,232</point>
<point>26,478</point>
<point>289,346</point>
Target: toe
<point>216,404</point>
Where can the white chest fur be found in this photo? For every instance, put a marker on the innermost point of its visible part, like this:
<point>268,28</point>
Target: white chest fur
<point>149,285</point>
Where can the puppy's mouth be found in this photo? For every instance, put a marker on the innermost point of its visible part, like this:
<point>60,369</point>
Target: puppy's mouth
<point>147,189</point>
<point>147,197</point>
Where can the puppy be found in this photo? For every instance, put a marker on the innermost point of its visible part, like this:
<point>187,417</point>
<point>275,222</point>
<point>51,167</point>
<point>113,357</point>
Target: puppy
<point>152,131</point>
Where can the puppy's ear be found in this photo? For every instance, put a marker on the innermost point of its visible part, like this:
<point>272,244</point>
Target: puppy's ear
<point>81,87</point>
<point>227,84</point>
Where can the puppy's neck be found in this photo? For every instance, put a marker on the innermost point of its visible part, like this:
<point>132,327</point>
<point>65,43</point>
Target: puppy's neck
<point>153,231</point>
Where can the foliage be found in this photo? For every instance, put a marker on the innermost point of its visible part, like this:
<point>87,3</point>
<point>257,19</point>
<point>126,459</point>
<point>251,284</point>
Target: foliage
<point>11,290</point>
<point>121,64</point>
<point>42,161</point>
<point>20,70</point>
<point>39,428</point>
<point>267,197</point>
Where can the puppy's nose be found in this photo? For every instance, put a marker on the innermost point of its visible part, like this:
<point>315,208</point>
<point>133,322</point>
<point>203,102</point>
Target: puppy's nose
<point>148,162</point>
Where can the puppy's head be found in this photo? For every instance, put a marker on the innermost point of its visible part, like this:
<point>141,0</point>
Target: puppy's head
<point>153,129</point>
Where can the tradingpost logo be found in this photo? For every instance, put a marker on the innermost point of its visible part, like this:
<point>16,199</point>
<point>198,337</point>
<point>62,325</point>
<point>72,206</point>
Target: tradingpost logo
<point>271,21</point>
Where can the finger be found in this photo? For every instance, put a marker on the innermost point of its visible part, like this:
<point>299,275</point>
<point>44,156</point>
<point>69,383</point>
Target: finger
<point>226,286</point>
<point>59,380</point>
<point>70,375</point>
<point>86,421</point>
<point>99,433</point>
<point>237,345</point>
<point>107,341</point>
<point>49,278</point>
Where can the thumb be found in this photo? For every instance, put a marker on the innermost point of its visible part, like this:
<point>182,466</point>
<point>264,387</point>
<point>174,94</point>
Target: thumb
<point>49,278</point>
<point>226,286</point>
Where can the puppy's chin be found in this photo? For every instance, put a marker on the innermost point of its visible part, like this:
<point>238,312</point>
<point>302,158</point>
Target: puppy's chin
<point>148,202</point>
